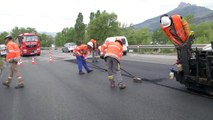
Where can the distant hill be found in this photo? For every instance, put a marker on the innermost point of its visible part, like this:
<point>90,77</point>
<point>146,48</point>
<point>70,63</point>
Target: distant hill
<point>201,14</point>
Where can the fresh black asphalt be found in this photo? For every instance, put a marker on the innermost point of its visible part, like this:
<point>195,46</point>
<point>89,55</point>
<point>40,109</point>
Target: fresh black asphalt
<point>55,91</point>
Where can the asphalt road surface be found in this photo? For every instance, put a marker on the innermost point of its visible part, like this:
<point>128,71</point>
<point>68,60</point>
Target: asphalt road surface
<point>55,91</point>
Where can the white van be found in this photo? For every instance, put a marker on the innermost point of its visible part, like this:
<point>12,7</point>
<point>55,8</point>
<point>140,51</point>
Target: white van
<point>124,40</point>
<point>3,51</point>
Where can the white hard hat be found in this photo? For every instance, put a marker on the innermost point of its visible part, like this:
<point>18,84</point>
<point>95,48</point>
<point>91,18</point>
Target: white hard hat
<point>90,44</point>
<point>165,21</point>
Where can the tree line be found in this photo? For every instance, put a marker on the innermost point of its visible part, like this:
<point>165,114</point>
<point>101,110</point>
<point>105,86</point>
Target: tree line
<point>103,24</point>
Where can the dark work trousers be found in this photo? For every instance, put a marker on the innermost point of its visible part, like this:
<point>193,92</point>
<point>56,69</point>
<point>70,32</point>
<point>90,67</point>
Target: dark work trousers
<point>94,55</point>
<point>13,70</point>
<point>113,67</point>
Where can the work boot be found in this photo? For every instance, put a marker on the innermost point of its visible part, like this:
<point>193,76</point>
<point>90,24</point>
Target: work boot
<point>112,83</point>
<point>6,83</point>
<point>89,71</point>
<point>81,73</point>
<point>21,85</point>
<point>121,85</point>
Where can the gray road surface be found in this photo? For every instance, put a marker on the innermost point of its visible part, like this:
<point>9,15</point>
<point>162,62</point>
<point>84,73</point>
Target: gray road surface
<point>55,91</point>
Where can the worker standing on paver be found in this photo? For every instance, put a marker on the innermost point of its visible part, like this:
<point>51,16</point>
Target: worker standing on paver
<point>178,31</point>
<point>81,53</point>
<point>94,50</point>
<point>112,53</point>
<point>13,57</point>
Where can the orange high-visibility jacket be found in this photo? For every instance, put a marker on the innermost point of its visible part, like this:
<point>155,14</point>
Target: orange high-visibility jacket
<point>112,49</point>
<point>81,50</point>
<point>181,29</point>
<point>95,45</point>
<point>13,50</point>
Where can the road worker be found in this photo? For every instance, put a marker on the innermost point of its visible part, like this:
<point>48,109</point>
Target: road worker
<point>95,50</point>
<point>112,52</point>
<point>177,29</point>
<point>81,53</point>
<point>13,57</point>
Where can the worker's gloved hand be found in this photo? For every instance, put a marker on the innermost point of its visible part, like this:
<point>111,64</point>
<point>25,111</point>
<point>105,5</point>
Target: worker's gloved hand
<point>102,56</point>
<point>192,35</point>
<point>74,54</point>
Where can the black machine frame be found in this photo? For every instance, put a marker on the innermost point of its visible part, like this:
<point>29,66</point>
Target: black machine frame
<point>197,72</point>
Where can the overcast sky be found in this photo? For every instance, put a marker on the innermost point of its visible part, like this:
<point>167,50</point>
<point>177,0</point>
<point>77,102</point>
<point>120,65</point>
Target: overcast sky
<point>54,15</point>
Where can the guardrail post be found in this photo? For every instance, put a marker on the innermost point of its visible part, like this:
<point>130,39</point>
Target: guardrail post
<point>138,49</point>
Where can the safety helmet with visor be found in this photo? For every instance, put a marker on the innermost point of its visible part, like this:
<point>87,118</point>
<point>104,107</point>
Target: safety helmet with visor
<point>90,44</point>
<point>8,37</point>
<point>165,21</point>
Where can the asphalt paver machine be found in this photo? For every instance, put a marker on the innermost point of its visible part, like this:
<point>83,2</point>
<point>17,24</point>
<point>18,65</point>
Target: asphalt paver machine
<point>194,67</point>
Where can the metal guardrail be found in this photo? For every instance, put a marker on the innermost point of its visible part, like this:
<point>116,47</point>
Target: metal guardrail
<point>169,46</point>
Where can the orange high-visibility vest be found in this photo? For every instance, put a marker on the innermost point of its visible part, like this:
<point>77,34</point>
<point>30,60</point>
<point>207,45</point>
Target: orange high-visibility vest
<point>81,50</point>
<point>94,43</point>
<point>112,49</point>
<point>13,50</point>
<point>179,30</point>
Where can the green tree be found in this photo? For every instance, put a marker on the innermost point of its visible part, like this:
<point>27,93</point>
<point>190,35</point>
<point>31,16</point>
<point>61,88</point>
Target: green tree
<point>103,26</point>
<point>16,31</point>
<point>98,13</point>
<point>129,32</point>
<point>159,37</point>
<point>80,29</point>
<point>203,32</point>
<point>59,39</point>
<point>46,40</point>
<point>67,35</point>
<point>92,16</point>
<point>143,36</point>
<point>2,36</point>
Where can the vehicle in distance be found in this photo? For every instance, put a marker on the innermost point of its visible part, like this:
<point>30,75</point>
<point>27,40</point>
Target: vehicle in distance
<point>124,41</point>
<point>3,51</point>
<point>29,44</point>
<point>68,47</point>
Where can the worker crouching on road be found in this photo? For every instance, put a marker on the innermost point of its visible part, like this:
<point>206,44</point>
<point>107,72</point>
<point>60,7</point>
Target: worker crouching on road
<point>13,57</point>
<point>81,53</point>
<point>112,53</point>
<point>95,50</point>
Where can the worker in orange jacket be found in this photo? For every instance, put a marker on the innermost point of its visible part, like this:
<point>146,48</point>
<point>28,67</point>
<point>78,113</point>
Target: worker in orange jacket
<point>81,53</point>
<point>13,57</point>
<point>94,50</point>
<point>112,53</point>
<point>177,29</point>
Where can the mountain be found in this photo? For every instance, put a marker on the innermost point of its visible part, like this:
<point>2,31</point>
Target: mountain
<point>201,14</point>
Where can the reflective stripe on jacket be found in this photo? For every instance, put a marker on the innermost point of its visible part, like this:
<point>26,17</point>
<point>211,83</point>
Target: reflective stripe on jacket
<point>81,50</point>
<point>180,27</point>
<point>112,49</point>
<point>13,50</point>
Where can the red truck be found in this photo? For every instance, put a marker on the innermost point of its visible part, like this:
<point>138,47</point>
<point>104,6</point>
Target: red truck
<point>29,44</point>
